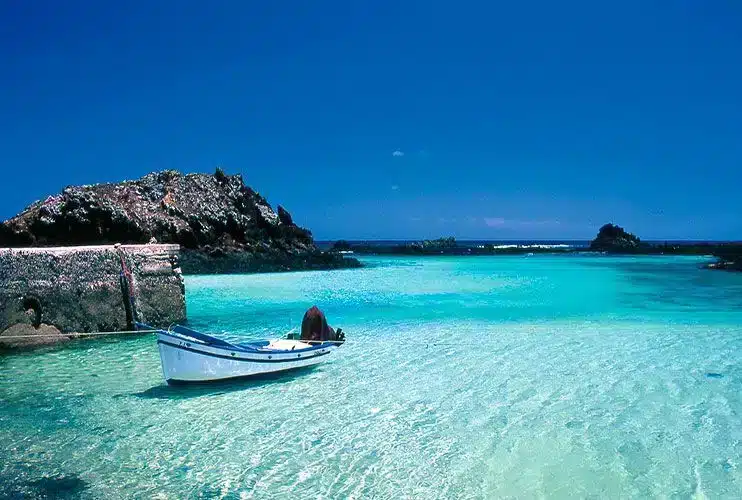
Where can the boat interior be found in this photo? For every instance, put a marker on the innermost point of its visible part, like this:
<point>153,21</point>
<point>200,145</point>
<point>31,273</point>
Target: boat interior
<point>251,346</point>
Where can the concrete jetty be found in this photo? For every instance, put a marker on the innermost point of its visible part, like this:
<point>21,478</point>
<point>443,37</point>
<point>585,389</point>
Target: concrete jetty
<point>49,295</point>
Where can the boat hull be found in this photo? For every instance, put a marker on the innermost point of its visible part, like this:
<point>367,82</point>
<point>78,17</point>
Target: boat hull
<point>184,361</point>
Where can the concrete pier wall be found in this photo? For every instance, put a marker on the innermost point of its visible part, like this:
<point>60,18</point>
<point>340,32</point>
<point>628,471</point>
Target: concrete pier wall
<point>50,294</point>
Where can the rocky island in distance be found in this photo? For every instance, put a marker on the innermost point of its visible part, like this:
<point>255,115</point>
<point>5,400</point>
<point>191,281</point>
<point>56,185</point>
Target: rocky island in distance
<point>616,240</point>
<point>611,239</point>
<point>222,225</point>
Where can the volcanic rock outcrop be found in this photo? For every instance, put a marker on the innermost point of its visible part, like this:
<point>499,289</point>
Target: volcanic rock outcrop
<point>221,224</point>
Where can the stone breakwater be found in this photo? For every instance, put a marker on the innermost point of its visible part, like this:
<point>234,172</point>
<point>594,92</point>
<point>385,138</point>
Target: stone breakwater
<point>50,295</point>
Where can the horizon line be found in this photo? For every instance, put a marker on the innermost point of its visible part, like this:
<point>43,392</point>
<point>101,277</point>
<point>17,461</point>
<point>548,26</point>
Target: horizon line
<point>696,240</point>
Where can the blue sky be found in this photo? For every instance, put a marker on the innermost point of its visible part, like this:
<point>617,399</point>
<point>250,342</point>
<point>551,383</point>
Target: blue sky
<point>405,119</point>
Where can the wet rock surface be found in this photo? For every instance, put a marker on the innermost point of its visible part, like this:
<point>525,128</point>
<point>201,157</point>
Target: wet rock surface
<point>23,335</point>
<point>222,224</point>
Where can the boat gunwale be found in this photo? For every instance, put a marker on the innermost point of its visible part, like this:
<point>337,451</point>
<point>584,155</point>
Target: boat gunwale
<point>224,345</point>
<point>265,357</point>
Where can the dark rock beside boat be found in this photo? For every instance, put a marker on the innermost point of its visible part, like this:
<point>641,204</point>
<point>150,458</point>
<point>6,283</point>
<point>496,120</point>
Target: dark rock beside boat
<point>222,224</point>
<point>314,327</point>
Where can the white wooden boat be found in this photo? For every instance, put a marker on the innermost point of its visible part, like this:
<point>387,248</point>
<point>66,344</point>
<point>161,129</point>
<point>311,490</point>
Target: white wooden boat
<point>191,356</point>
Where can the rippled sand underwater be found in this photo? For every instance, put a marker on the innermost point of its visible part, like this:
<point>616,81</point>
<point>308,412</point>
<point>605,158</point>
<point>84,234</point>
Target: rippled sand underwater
<point>484,377</point>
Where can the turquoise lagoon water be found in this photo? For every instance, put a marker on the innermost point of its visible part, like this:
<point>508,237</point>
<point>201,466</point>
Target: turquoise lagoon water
<point>484,377</point>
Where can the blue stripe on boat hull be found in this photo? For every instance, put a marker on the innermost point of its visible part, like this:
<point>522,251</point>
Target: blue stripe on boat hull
<point>235,358</point>
<point>241,348</point>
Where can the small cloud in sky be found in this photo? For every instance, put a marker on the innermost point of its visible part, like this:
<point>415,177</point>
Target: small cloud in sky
<point>397,153</point>
<point>394,187</point>
<point>494,221</point>
<point>545,222</point>
<point>502,222</point>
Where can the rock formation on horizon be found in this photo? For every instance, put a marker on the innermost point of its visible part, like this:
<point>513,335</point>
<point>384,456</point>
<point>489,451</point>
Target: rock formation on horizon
<point>613,238</point>
<point>221,224</point>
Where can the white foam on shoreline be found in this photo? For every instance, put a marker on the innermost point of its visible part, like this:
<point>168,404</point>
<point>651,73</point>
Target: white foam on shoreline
<point>535,245</point>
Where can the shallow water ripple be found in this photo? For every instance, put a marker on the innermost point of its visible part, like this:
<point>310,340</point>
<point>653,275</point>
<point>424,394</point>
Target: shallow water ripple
<point>463,378</point>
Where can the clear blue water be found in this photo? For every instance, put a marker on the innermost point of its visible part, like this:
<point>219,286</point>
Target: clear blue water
<point>485,377</point>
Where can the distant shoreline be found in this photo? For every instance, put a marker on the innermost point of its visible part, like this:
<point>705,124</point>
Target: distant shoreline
<point>724,251</point>
<point>327,244</point>
<point>432,247</point>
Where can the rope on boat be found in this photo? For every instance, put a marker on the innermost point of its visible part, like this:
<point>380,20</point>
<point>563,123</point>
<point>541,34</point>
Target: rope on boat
<point>125,332</point>
<point>74,335</point>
